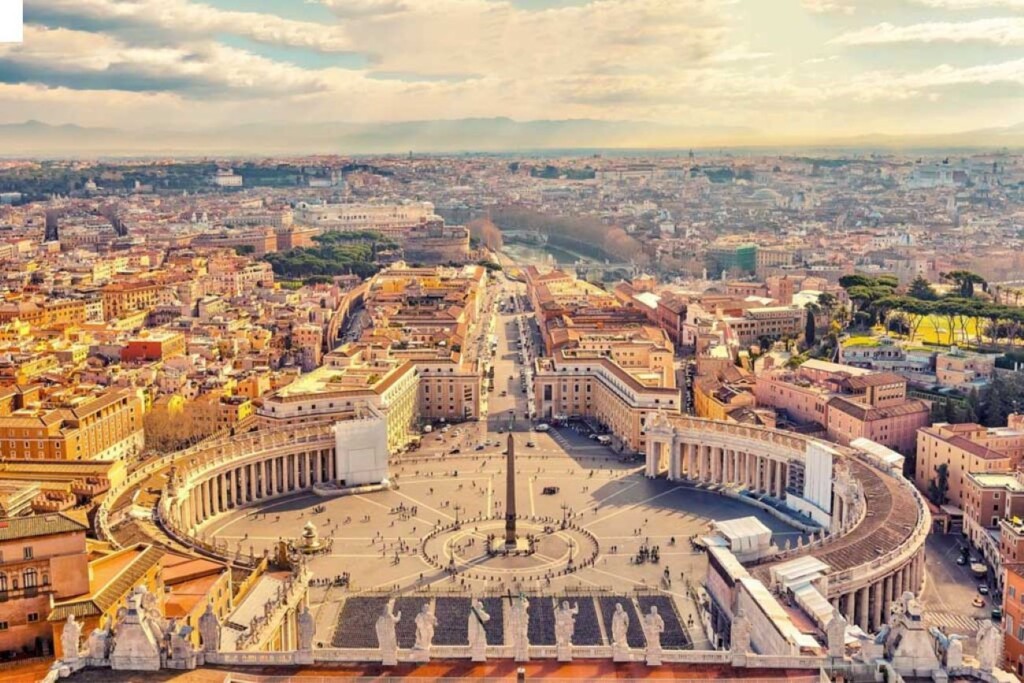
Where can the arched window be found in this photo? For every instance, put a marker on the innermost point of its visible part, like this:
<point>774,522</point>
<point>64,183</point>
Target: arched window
<point>3,582</point>
<point>30,578</point>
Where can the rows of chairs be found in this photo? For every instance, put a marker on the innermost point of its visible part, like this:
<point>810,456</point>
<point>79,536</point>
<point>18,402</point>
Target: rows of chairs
<point>405,630</point>
<point>357,621</point>
<point>675,636</point>
<point>452,615</point>
<point>634,632</point>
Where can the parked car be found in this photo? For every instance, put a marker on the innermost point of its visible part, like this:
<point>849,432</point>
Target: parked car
<point>542,427</point>
<point>962,560</point>
<point>530,444</point>
<point>997,614</point>
<point>983,589</point>
<point>550,490</point>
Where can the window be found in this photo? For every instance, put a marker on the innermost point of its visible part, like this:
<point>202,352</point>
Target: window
<point>33,617</point>
<point>28,552</point>
<point>30,578</point>
<point>3,625</point>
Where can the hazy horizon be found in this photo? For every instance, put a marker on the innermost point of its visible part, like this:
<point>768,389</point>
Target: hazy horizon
<point>762,72</point>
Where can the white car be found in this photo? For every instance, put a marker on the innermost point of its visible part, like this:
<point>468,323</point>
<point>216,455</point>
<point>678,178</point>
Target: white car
<point>542,427</point>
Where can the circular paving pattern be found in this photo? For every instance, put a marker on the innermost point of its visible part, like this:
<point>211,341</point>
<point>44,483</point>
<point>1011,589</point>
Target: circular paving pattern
<point>546,549</point>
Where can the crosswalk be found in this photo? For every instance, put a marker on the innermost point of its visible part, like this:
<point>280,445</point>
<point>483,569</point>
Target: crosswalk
<point>951,622</point>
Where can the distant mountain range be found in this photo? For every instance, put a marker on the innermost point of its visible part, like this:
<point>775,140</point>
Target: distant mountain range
<point>33,138</point>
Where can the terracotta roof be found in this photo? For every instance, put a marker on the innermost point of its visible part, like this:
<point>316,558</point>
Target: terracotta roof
<point>38,525</point>
<point>869,413</point>
<point>107,595</point>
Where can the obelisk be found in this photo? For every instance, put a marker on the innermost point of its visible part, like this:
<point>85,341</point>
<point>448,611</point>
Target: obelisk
<point>510,493</point>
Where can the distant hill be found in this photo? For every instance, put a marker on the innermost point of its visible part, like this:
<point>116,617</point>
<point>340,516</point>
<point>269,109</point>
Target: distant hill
<point>33,138</point>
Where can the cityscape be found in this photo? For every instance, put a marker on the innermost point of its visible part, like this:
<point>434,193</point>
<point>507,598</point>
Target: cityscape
<point>334,347</point>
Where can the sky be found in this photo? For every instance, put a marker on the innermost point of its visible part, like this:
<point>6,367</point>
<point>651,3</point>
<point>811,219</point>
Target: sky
<point>777,68</point>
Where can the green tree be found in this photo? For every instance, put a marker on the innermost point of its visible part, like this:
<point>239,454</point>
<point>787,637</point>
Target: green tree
<point>938,487</point>
<point>964,280</point>
<point>809,324</point>
<point>996,407</point>
<point>921,289</point>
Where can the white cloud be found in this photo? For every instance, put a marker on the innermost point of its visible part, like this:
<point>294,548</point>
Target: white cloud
<point>96,61</point>
<point>1001,31</point>
<point>183,19</point>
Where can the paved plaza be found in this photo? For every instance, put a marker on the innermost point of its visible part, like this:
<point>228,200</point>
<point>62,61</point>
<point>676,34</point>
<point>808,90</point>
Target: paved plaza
<point>610,509</point>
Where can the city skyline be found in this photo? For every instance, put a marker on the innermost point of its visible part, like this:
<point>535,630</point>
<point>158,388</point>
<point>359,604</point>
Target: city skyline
<point>741,72</point>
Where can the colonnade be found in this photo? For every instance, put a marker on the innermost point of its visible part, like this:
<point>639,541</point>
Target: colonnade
<point>260,478</point>
<point>718,465</point>
<point>868,606</point>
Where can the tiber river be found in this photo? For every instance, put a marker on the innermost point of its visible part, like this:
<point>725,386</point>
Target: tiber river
<point>527,254</point>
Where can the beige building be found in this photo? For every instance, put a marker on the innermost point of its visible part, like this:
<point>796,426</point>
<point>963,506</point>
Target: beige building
<point>965,449</point>
<point>593,384</point>
<point>347,386</point>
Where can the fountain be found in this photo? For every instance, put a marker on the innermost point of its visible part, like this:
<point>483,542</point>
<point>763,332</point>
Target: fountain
<point>310,541</point>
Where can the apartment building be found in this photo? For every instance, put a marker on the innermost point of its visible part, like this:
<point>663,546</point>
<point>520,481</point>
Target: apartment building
<point>966,449</point>
<point>591,384</point>
<point>98,425</point>
<point>43,559</point>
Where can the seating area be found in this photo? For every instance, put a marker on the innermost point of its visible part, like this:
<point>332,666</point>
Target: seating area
<point>674,637</point>
<point>495,628</point>
<point>634,632</point>
<point>588,630</point>
<point>356,622</point>
<point>541,628</point>
<point>405,630</point>
<point>358,617</point>
<point>452,620</point>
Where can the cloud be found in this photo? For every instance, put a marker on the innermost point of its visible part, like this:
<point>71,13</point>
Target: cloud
<point>501,39</point>
<point>1001,31</point>
<point>93,61</point>
<point>182,19</point>
<point>828,6</point>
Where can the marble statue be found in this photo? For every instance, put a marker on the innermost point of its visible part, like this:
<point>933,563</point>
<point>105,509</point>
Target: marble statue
<point>209,629</point>
<point>836,632</point>
<point>620,625</point>
<point>306,628</point>
<point>477,633</point>
<point>425,624</point>
<point>955,652</point>
<point>950,649</point>
<point>386,638</point>
<point>140,634</point>
<point>653,627</point>
<point>69,639</point>
<point>990,645</point>
<point>98,645</point>
<point>520,623</point>
<point>565,625</point>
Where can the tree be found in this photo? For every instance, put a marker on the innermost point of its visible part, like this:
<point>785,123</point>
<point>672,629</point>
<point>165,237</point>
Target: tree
<point>938,487</point>
<point>965,281</point>
<point>809,325</point>
<point>996,407</point>
<point>921,289</point>
<point>170,429</point>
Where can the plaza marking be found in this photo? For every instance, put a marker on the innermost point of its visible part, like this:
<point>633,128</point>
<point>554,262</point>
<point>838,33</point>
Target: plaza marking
<point>632,507</point>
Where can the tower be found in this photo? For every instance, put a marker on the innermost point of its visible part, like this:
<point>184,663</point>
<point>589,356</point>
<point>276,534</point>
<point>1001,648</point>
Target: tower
<point>510,493</point>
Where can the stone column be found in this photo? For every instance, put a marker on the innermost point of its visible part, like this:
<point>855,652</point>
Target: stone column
<point>245,483</point>
<point>295,472</point>
<point>272,478</point>
<point>846,606</point>
<point>672,448</point>
<point>719,455</point>
<point>330,466</point>
<point>862,608</point>
<point>878,593</point>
